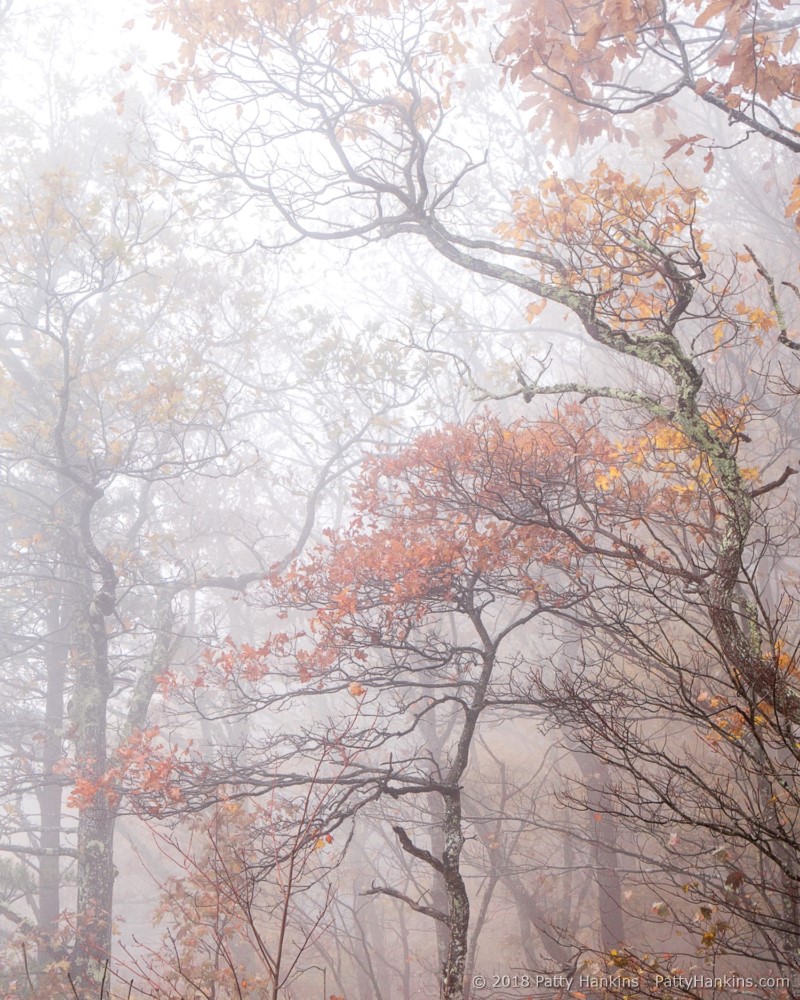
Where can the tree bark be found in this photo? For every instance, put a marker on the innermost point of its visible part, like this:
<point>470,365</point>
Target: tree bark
<point>93,685</point>
<point>457,900</point>
<point>604,855</point>
<point>50,794</point>
<point>95,870</point>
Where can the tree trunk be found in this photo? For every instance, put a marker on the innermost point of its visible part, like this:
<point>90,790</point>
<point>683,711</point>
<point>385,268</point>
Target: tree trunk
<point>50,793</point>
<point>604,854</point>
<point>457,900</point>
<point>95,875</point>
<point>438,894</point>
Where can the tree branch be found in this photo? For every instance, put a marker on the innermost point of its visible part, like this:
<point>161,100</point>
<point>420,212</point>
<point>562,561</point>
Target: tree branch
<point>417,852</point>
<point>22,922</point>
<point>428,911</point>
<point>768,487</point>
<point>783,336</point>
<point>39,852</point>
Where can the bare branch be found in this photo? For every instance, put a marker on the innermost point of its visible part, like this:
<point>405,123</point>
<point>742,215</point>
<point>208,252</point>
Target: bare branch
<point>428,911</point>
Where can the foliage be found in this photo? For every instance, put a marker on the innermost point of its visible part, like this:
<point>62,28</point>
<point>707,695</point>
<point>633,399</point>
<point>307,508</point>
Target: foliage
<point>584,66</point>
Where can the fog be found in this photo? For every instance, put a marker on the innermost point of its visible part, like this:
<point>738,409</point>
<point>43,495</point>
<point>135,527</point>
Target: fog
<point>399,509</point>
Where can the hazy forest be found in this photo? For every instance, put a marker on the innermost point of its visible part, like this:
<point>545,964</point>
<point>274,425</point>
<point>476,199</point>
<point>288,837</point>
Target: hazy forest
<point>399,500</point>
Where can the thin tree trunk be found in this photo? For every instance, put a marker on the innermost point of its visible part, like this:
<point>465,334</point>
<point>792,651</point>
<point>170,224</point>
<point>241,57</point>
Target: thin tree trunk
<point>438,892</point>
<point>95,870</point>
<point>51,792</point>
<point>604,855</point>
<point>93,684</point>
<point>457,900</point>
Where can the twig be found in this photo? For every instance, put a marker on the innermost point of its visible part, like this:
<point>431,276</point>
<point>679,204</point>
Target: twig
<point>27,971</point>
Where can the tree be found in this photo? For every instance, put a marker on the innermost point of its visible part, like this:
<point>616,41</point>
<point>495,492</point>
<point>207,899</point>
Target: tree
<point>418,627</point>
<point>96,423</point>
<point>251,895</point>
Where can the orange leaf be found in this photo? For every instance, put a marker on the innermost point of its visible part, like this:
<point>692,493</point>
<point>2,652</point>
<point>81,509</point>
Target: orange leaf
<point>717,7</point>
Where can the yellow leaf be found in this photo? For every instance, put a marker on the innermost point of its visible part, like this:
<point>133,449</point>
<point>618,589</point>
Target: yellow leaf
<point>534,309</point>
